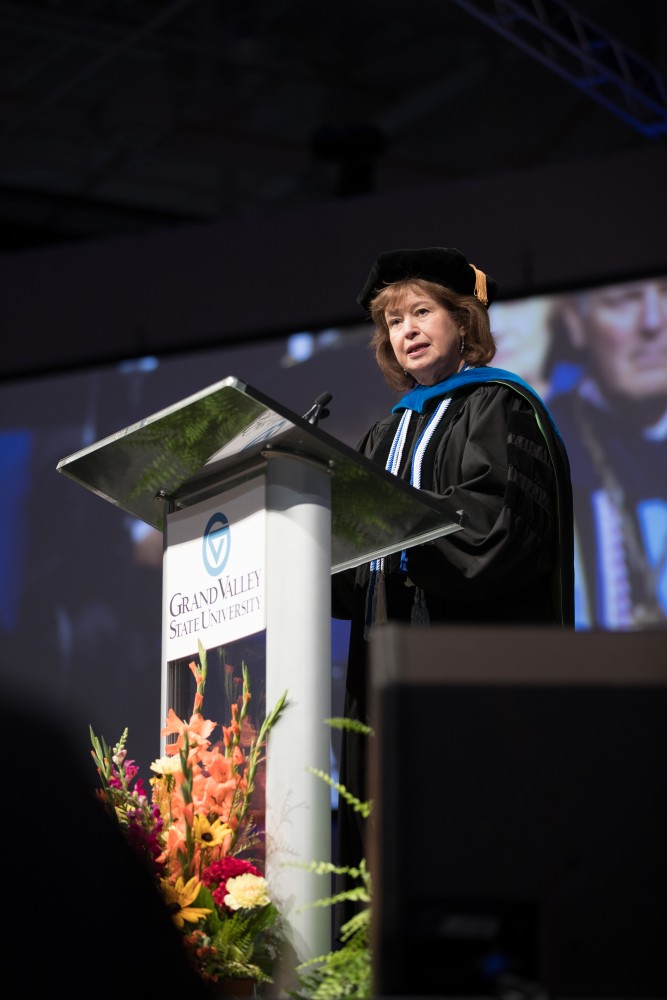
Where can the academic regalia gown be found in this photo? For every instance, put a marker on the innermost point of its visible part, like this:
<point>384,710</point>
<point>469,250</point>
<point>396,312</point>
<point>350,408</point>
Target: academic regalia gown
<point>496,456</point>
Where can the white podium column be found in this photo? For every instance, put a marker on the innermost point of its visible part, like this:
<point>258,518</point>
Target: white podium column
<point>298,660</point>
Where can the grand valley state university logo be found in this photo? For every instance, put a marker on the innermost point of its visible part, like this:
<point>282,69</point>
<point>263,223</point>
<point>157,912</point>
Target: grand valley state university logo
<point>231,604</point>
<point>216,544</point>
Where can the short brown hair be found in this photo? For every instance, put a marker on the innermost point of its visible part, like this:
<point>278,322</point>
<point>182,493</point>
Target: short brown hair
<point>466,311</point>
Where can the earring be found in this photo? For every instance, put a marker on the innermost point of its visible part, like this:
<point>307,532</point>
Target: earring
<point>463,344</point>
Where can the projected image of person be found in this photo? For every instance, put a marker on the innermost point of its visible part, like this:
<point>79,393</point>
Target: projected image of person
<point>479,438</point>
<point>614,423</point>
<point>523,336</point>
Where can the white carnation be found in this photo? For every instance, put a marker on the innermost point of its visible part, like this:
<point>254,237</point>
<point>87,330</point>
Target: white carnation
<point>247,891</point>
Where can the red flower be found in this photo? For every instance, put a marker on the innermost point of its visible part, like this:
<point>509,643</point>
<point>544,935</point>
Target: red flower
<point>216,875</point>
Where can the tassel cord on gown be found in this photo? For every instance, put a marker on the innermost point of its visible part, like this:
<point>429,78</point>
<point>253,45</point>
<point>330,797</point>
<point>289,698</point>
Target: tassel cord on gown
<point>376,602</point>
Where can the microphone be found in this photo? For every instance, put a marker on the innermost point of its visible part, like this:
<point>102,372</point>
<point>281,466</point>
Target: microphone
<point>318,410</point>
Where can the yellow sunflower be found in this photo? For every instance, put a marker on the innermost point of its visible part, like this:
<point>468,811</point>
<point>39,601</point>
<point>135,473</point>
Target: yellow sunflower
<point>179,898</point>
<point>208,834</point>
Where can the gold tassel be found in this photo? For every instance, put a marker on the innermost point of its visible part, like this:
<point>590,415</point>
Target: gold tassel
<point>480,286</point>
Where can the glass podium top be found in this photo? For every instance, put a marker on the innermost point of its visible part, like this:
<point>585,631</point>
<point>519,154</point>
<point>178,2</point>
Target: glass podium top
<point>190,450</point>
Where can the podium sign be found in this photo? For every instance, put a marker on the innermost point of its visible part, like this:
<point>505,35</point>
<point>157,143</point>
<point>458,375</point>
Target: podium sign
<point>253,498</point>
<point>214,573</point>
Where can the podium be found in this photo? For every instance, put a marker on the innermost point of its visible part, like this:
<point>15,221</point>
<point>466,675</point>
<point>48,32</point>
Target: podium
<point>258,507</point>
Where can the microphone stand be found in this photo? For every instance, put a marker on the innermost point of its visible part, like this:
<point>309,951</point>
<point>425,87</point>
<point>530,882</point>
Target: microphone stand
<point>318,410</point>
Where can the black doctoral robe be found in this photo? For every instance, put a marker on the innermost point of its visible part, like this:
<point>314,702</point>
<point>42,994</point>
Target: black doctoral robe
<point>497,457</point>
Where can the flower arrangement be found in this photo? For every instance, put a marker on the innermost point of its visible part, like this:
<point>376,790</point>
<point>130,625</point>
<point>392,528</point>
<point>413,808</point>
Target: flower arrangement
<point>197,832</point>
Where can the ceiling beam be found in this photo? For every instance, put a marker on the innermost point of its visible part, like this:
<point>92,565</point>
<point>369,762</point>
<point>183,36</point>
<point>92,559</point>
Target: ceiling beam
<point>586,56</point>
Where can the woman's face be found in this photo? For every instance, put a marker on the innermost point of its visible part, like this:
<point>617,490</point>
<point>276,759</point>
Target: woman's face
<point>424,337</point>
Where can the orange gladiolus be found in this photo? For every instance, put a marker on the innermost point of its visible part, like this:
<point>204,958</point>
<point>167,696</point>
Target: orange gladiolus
<point>198,729</point>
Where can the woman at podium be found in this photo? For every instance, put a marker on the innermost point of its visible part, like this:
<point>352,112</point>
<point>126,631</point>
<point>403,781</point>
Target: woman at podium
<point>482,440</point>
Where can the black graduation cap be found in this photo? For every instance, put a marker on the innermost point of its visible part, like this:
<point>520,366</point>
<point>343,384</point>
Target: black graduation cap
<point>442,265</point>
